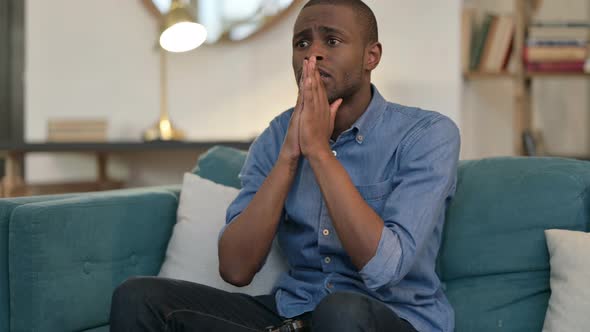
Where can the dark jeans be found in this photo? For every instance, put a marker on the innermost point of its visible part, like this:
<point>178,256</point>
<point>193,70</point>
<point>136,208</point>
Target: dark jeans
<point>158,304</point>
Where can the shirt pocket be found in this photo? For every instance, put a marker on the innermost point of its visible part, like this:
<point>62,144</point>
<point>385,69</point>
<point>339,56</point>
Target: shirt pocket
<point>376,194</point>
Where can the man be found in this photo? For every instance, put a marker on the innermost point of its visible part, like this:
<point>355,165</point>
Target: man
<point>354,187</point>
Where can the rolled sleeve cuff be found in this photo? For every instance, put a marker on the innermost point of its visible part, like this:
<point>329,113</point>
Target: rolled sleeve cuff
<point>381,269</point>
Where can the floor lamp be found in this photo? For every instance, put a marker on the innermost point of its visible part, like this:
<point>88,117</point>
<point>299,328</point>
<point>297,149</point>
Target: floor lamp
<point>180,33</point>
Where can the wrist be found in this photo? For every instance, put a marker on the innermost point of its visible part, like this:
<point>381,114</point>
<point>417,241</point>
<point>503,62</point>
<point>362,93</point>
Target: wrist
<point>289,163</point>
<point>320,154</point>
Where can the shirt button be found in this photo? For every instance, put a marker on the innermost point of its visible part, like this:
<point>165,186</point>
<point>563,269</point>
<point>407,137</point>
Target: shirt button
<point>335,153</point>
<point>327,260</point>
<point>360,138</point>
<point>326,232</point>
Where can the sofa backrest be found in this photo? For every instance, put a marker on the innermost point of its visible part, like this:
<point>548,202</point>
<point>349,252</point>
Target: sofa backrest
<point>221,165</point>
<point>494,260</point>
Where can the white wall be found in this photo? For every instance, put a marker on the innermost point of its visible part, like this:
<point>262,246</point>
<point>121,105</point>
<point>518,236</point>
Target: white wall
<point>99,60</point>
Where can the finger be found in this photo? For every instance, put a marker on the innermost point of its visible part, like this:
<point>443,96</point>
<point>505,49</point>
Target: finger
<point>319,104</point>
<point>299,104</point>
<point>304,75</point>
<point>301,86</point>
<point>334,109</point>
<point>302,79</point>
<point>308,92</point>
<point>321,90</point>
<point>316,74</point>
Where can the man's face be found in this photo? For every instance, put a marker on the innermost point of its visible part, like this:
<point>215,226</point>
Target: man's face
<point>333,35</point>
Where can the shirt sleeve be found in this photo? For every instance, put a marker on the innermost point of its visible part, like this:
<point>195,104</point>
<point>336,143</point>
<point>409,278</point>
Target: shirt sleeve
<point>260,160</point>
<point>424,183</point>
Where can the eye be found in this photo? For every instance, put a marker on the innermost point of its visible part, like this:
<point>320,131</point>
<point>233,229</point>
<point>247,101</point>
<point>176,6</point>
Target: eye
<point>302,44</point>
<point>333,42</point>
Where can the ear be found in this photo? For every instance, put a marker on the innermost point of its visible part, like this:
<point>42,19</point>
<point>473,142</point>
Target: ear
<point>373,56</point>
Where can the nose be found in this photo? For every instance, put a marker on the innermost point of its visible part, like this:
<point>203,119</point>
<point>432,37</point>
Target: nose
<point>318,57</point>
<point>317,51</point>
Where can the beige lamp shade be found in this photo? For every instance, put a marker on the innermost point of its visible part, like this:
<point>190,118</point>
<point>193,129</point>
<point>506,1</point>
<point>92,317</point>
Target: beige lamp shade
<point>180,32</point>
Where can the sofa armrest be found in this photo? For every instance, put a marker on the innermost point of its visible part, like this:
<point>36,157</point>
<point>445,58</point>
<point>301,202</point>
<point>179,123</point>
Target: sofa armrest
<point>67,256</point>
<point>7,205</point>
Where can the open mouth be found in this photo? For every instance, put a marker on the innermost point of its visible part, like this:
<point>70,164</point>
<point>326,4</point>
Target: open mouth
<point>323,74</point>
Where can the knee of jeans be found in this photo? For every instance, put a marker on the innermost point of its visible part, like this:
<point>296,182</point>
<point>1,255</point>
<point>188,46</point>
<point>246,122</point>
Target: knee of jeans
<point>133,290</point>
<point>340,309</point>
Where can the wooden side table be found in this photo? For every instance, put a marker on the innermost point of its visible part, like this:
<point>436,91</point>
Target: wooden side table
<point>13,183</point>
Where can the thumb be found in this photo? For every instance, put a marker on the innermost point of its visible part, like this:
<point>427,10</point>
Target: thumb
<point>334,108</point>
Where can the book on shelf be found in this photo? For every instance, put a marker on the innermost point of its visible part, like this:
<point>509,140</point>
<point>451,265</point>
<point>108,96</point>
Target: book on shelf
<point>467,34</point>
<point>556,42</point>
<point>557,46</point>
<point>551,33</point>
<point>498,44</point>
<point>78,137</point>
<point>556,54</point>
<point>490,44</point>
<point>564,66</point>
<point>561,24</point>
<point>478,41</point>
<point>76,130</point>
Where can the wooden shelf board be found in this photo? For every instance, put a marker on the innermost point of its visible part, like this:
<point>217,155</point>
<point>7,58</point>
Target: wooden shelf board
<point>475,75</point>
<point>557,74</point>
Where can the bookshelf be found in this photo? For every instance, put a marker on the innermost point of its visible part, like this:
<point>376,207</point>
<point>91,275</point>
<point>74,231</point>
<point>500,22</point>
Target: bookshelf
<point>522,117</point>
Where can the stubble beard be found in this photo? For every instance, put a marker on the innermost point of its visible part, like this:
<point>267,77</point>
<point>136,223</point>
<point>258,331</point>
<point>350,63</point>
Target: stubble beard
<point>350,86</point>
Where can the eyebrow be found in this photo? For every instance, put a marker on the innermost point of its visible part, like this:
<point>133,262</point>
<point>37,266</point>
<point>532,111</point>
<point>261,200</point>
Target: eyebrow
<point>324,29</point>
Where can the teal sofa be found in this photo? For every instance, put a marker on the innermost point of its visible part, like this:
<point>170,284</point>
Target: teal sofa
<point>62,256</point>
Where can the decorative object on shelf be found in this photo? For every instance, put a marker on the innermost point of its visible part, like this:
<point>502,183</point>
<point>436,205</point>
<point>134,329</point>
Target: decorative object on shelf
<point>534,144</point>
<point>180,33</point>
<point>77,130</point>
<point>230,20</point>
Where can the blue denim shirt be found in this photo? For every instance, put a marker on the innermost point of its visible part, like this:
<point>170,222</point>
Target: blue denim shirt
<point>403,161</point>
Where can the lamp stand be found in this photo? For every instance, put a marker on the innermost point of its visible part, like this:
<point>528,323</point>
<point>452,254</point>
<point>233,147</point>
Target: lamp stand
<point>163,129</point>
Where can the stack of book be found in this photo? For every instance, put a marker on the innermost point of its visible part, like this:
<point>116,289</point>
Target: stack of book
<point>557,47</point>
<point>77,130</point>
<point>487,47</point>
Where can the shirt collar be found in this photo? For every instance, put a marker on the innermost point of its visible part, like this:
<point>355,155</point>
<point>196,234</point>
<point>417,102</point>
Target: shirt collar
<point>368,120</point>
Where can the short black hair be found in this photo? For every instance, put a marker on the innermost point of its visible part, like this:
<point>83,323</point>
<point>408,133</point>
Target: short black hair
<point>364,14</point>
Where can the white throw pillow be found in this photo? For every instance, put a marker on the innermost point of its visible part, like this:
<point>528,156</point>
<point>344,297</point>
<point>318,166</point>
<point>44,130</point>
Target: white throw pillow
<point>192,250</point>
<point>569,305</point>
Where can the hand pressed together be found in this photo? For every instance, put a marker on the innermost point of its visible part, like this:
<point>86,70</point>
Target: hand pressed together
<point>312,122</point>
<point>317,117</point>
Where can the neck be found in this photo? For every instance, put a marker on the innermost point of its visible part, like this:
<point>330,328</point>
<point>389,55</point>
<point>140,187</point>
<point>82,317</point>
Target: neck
<point>352,109</point>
